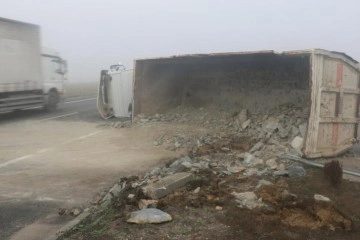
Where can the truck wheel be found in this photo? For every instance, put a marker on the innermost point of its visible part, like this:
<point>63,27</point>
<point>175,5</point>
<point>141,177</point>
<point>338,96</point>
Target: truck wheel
<point>53,100</point>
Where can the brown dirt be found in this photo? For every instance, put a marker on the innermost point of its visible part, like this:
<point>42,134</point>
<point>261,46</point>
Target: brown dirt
<point>195,217</point>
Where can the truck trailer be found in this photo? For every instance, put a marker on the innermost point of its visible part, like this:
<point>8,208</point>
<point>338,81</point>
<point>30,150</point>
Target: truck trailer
<point>30,76</point>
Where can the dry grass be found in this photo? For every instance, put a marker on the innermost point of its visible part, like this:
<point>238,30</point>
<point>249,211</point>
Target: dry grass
<point>81,90</point>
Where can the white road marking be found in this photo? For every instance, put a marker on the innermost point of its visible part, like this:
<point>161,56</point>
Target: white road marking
<point>61,116</point>
<point>88,135</point>
<point>5,164</point>
<point>81,100</point>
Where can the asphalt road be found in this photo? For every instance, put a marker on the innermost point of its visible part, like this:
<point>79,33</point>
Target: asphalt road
<point>82,110</point>
<point>17,213</point>
<point>64,159</point>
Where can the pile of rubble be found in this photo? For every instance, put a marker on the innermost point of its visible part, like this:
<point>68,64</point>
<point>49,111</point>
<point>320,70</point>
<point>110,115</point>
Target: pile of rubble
<point>201,182</point>
<point>240,140</point>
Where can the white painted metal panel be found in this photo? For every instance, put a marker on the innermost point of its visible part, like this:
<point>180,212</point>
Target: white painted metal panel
<point>121,92</point>
<point>20,61</point>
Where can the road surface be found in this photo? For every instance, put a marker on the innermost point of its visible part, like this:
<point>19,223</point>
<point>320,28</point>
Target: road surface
<point>84,110</point>
<point>63,159</point>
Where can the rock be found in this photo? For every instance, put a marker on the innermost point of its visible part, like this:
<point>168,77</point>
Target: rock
<point>283,132</point>
<point>321,198</point>
<point>297,143</point>
<point>302,129</point>
<point>251,171</point>
<point>131,196</point>
<point>144,120</point>
<point>235,169</point>
<point>281,167</point>
<point>294,131</point>
<point>156,143</point>
<point>187,165</point>
<point>263,183</point>
<point>62,211</point>
<point>218,208</point>
<point>248,157</point>
<point>155,171</point>
<point>270,125</point>
<point>250,160</point>
<point>149,215</point>
<point>144,203</point>
<point>246,124</point>
<point>197,190</point>
<point>177,145</point>
<point>243,116</point>
<point>256,147</point>
<point>75,212</point>
<point>181,164</point>
<point>225,149</point>
<point>114,191</point>
<point>247,200</point>
<point>296,171</point>
<point>281,173</point>
<point>271,163</point>
<point>201,165</point>
<point>167,185</point>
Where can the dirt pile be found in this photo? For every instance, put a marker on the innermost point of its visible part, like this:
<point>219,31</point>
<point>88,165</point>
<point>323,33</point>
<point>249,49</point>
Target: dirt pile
<point>273,131</point>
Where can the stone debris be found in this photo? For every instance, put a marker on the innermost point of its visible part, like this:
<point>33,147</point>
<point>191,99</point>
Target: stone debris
<point>197,190</point>
<point>321,198</point>
<point>272,164</point>
<point>248,200</point>
<point>296,171</point>
<point>167,185</point>
<point>238,145</point>
<point>149,215</point>
<point>218,208</point>
<point>263,183</point>
<point>297,143</point>
<point>76,212</point>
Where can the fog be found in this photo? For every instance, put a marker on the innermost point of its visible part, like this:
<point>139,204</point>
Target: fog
<point>92,35</point>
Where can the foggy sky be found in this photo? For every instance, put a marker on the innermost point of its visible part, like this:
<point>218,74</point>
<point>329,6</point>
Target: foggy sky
<point>93,34</point>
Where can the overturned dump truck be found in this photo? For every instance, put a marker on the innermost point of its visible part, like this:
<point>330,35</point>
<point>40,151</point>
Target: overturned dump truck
<point>326,83</point>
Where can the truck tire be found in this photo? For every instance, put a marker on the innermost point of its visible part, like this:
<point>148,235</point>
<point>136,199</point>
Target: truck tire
<point>52,101</point>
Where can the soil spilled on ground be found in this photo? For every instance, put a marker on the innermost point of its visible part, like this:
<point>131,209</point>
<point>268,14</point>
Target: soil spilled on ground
<point>289,211</point>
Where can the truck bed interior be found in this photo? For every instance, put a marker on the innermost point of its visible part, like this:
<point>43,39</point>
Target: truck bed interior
<point>256,81</point>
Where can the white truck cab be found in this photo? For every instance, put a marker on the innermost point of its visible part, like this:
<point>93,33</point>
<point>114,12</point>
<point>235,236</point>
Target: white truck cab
<point>54,70</point>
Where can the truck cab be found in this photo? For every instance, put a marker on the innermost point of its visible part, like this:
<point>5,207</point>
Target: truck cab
<point>55,77</point>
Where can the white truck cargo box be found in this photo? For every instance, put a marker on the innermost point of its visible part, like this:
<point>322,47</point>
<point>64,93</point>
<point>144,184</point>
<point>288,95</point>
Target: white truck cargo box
<point>20,57</point>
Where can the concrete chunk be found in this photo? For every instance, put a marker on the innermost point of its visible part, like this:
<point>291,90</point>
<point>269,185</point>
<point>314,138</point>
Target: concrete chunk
<point>167,185</point>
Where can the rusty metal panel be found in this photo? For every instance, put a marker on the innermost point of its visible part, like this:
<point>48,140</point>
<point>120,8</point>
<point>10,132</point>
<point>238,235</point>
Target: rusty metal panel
<point>333,121</point>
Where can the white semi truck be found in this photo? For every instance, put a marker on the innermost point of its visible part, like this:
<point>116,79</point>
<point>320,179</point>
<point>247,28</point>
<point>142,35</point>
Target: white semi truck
<point>30,76</point>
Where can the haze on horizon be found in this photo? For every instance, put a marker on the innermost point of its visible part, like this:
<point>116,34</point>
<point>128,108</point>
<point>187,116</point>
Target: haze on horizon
<point>93,34</point>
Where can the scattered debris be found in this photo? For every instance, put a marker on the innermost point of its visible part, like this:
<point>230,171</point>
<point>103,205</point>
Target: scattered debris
<point>248,200</point>
<point>167,185</point>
